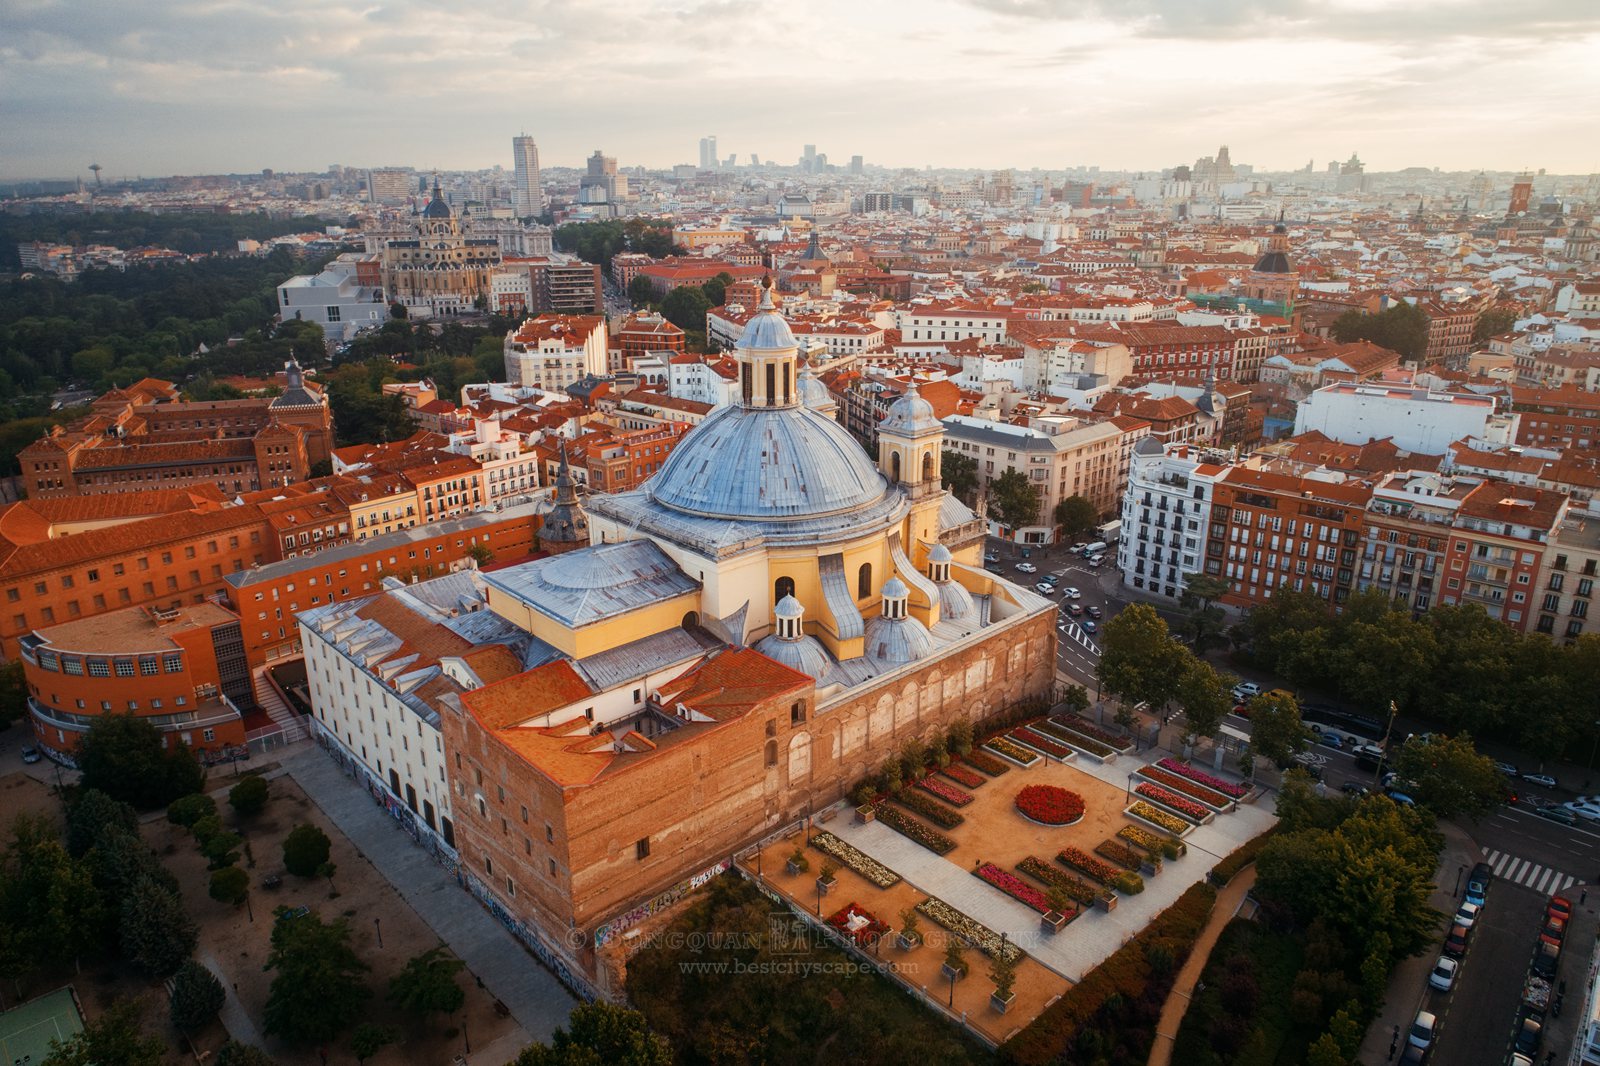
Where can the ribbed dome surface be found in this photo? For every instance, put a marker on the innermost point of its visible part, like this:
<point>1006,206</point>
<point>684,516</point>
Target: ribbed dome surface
<point>909,415</point>
<point>767,463</point>
<point>806,655</point>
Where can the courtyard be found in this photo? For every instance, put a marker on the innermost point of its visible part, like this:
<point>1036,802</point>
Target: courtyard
<point>1021,853</point>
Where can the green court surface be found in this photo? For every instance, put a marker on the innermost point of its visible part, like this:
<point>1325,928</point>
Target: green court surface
<point>26,1031</point>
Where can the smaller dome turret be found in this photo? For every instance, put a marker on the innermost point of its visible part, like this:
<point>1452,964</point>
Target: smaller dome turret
<point>788,643</point>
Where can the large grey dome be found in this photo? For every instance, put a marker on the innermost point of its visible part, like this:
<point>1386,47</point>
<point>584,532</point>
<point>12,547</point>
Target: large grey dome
<point>766,463</point>
<point>806,655</point>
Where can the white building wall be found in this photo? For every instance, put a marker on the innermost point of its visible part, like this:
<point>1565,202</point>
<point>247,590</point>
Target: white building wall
<point>1418,421</point>
<point>1165,514</point>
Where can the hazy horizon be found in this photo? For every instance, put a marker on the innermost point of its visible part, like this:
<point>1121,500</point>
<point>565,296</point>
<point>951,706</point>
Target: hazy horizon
<point>158,87</point>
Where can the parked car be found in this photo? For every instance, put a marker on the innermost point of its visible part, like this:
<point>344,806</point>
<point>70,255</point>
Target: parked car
<point>1555,931</point>
<point>1544,780</point>
<point>995,569</point>
<point>1556,814</point>
<point>1071,593</point>
<point>1096,560</point>
<point>1095,612</point>
<point>1074,611</point>
<point>1415,1056</point>
<point>1246,690</point>
<point>1423,1028</point>
<point>1051,580</point>
<point>1350,788</point>
<point>1044,588</point>
<point>1558,908</point>
<point>991,557</point>
<point>1478,883</point>
<point>1467,914</point>
<point>1529,1036</point>
<point>1027,568</point>
<point>1077,549</point>
<point>31,755</point>
<point>1545,960</point>
<point>1443,976</point>
<point>1455,945</point>
<point>1401,798</point>
<point>1089,626</point>
<point>1507,769</point>
<point>1331,740</point>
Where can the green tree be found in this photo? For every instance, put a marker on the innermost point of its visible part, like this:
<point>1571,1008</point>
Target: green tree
<point>600,1034</point>
<point>318,988</point>
<point>427,984</point>
<point>49,908</point>
<point>1481,689</point>
<point>123,756</point>
<point>1204,696</point>
<point>157,934</point>
<point>1449,777</point>
<point>13,689</point>
<point>1492,323</point>
<point>686,307</point>
<point>305,849</point>
<point>92,813</point>
<point>114,1037</point>
<point>1203,624</point>
<point>249,796</point>
<point>959,472</point>
<point>641,293</point>
<point>1325,1052</point>
<point>236,1054</point>
<point>1380,653</point>
<point>1287,635</point>
<point>716,289</point>
<point>1297,870</point>
<point>1276,731</point>
<point>1401,328</point>
<point>371,1038</point>
<point>1013,499</point>
<point>1074,514</point>
<point>189,810</point>
<point>197,995</point>
<point>229,885</point>
<point>1139,660</point>
<point>222,849</point>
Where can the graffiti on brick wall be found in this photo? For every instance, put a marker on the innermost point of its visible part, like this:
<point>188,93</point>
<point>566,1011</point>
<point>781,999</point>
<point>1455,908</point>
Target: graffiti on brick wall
<point>666,899</point>
<point>530,939</point>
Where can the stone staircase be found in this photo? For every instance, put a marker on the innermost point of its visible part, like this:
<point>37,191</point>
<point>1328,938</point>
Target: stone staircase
<point>284,721</point>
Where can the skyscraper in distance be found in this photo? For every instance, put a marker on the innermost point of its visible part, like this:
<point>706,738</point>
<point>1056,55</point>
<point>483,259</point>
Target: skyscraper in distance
<point>529,191</point>
<point>708,152</point>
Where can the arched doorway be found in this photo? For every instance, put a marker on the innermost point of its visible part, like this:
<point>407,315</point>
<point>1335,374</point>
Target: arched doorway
<point>864,581</point>
<point>782,587</point>
<point>894,465</point>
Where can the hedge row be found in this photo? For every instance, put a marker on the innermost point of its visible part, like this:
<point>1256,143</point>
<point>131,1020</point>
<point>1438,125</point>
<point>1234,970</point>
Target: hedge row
<point>1242,856</point>
<point>1121,981</point>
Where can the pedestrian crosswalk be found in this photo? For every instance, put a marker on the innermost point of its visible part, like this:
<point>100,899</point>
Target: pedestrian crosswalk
<point>1528,873</point>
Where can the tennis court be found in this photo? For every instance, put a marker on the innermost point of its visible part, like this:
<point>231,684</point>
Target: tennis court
<point>26,1031</point>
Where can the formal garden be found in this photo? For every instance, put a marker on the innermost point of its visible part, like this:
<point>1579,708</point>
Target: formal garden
<point>1037,850</point>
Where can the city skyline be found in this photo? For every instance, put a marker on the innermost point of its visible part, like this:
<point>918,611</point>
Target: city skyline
<point>986,83</point>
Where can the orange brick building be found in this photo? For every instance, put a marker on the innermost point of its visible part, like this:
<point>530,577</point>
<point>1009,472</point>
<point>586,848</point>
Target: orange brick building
<point>623,460</point>
<point>181,669</point>
<point>1496,547</point>
<point>1272,531</point>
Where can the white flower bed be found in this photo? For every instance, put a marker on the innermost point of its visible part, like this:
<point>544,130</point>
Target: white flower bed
<point>979,935</point>
<point>855,859</point>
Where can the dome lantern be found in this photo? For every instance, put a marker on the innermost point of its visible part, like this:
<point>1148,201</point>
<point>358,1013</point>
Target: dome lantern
<point>767,355</point>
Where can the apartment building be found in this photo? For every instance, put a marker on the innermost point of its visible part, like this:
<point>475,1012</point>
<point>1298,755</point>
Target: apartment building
<point>1407,535</point>
<point>1567,576</point>
<point>1271,531</point>
<point>1166,516</point>
<point>1497,546</point>
<point>554,351</point>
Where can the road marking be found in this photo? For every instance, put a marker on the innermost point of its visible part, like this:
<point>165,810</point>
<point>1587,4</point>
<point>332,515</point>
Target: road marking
<point>1546,880</point>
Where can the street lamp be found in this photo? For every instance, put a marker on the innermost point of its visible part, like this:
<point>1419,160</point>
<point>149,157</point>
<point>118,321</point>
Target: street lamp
<point>377,923</point>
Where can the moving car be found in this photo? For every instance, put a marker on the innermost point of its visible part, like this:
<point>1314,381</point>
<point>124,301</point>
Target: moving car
<point>1089,626</point>
<point>991,557</point>
<point>994,569</point>
<point>1074,610</point>
<point>1478,883</point>
<point>1331,740</point>
<point>1095,612</point>
<point>1027,568</point>
<point>1467,914</point>
<point>1455,945</point>
<point>31,755</point>
<point>1051,580</point>
<point>1540,779</point>
<point>1423,1028</point>
<point>1557,814</point>
<point>1077,549</point>
<point>1443,977</point>
<point>1071,593</point>
<point>1589,812</point>
<point>1044,588</point>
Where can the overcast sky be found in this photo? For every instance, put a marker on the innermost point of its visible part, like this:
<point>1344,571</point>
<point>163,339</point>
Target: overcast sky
<point>158,87</point>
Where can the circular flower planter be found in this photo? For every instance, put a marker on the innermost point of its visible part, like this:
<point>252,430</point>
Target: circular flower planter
<point>1049,805</point>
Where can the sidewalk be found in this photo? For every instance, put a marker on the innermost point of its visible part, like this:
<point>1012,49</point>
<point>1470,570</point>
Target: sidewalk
<point>1409,982</point>
<point>536,999</point>
<point>1229,900</point>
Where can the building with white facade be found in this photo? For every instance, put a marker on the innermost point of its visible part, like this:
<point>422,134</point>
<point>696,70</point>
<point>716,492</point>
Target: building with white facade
<point>703,379</point>
<point>1166,510</point>
<point>1418,419</point>
<point>338,299</point>
<point>553,351</point>
<point>529,191</point>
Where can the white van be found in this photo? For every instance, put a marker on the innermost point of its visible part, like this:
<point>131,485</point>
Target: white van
<point>1094,549</point>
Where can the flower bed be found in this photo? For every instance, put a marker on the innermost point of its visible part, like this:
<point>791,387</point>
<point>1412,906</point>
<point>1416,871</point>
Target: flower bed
<point>1050,805</point>
<point>986,762</point>
<point>975,933</point>
<point>1227,788</point>
<point>930,808</point>
<point>1082,725</point>
<point>905,825</point>
<point>961,775</point>
<point>1154,843</point>
<point>945,791</point>
<point>1167,798</point>
<point>865,934</point>
<point>1040,742</point>
<point>1011,750</point>
<point>1209,796</point>
<point>1013,886</point>
<point>1088,865</point>
<point>1122,855</point>
<point>1159,818</point>
<point>853,858</point>
<point>1088,744</point>
<point>1080,892</point>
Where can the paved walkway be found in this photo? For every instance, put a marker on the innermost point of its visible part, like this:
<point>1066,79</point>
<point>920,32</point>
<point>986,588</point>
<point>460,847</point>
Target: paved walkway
<point>234,1017</point>
<point>536,999</point>
<point>1229,900</point>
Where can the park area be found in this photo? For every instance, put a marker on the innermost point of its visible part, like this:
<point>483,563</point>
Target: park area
<point>1054,842</point>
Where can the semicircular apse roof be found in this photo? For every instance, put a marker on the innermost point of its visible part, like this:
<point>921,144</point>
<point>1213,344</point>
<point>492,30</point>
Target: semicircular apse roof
<point>767,464</point>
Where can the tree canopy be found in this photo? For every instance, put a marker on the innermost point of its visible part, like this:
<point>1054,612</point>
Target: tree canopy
<point>427,984</point>
<point>1276,732</point>
<point>123,756</point>
<point>305,849</point>
<point>1013,499</point>
<point>1448,776</point>
<point>959,472</point>
<point>1074,514</point>
<point>1403,328</point>
<point>318,987</point>
<point>1139,660</point>
<point>115,1036</point>
<point>686,307</point>
<point>597,242</point>
<point>197,995</point>
<point>600,1034</point>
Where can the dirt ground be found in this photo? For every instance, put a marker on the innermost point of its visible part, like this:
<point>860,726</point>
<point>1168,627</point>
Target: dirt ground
<point>240,945</point>
<point>21,794</point>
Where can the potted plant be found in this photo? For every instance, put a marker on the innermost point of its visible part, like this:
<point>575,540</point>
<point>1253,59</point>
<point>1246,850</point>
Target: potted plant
<point>1055,919</point>
<point>798,863</point>
<point>863,796</point>
<point>955,963</point>
<point>826,877</point>
<point>1004,975</point>
<point>909,937</point>
<point>1106,900</point>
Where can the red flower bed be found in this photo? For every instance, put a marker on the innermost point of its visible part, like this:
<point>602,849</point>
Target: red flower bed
<point>1039,742</point>
<point>986,762</point>
<point>1013,886</point>
<point>1186,807</point>
<point>1227,788</point>
<point>1085,863</point>
<point>1189,788</point>
<point>945,791</point>
<point>867,933</point>
<point>1050,805</point>
<point>961,774</point>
